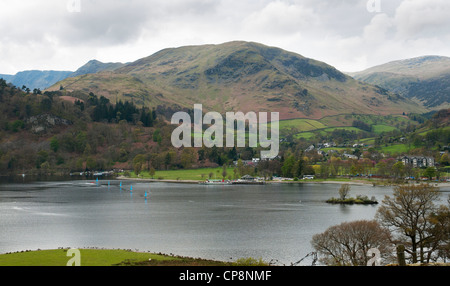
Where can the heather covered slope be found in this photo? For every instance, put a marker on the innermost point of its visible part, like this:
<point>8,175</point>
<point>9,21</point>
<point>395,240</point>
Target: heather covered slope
<point>241,76</point>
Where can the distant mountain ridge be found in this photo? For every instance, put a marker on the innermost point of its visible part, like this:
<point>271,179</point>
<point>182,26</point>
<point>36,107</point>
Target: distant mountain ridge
<point>6,77</point>
<point>95,66</point>
<point>424,79</point>
<point>241,76</point>
<point>36,79</point>
<point>44,79</point>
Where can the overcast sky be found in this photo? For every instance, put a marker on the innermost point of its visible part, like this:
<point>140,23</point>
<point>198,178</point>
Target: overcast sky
<point>349,34</point>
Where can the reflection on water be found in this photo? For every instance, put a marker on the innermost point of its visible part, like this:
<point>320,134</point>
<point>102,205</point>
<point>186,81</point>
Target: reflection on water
<point>272,222</point>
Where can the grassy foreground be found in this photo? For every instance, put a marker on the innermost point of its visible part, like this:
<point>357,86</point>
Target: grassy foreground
<point>105,257</point>
<point>95,257</point>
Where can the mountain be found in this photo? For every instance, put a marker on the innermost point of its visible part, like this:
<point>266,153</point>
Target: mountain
<point>423,79</point>
<point>95,66</point>
<point>36,79</point>
<point>240,76</point>
<point>44,79</point>
<point>6,77</point>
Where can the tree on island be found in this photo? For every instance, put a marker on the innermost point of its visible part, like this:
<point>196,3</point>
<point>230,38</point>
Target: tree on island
<point>343,191</point>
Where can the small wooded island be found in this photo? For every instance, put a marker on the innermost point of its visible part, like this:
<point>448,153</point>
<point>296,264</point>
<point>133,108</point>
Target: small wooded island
<point>359,200</point>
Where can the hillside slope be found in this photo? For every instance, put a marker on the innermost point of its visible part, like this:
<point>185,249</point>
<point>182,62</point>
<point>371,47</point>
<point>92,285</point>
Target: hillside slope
<point>423,79</point>
<point>241,76</point>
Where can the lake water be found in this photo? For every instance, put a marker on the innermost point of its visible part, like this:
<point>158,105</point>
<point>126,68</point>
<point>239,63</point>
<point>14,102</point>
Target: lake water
<point>274,222</point>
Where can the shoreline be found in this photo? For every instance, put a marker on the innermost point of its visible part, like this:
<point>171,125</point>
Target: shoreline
<point>267,182</point>
<point>157,181</point>
<point>353,183</point>
<point>356,182</point>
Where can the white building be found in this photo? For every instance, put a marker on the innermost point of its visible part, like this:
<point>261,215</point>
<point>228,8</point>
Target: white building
<point>418,161</point>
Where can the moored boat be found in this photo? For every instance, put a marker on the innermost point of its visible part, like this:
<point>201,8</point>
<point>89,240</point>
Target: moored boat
<point>249,180</point>
<point>216,182</point>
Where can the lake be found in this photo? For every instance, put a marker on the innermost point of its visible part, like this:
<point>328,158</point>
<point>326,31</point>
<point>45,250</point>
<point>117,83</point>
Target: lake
<point>274,222</point>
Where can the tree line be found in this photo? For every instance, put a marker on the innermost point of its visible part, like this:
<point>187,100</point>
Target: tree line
<point>97,132</point>
<point>105,135</point>
<point>104,111</point>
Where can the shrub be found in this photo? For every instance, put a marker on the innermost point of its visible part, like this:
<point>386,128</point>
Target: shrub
<point>348,243</point>
<point>250,262</point>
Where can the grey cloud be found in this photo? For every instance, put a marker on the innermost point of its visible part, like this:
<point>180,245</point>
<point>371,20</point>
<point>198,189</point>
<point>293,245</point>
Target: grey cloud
<point>423,19</point>
<point>106,22</point>
<point>314,28</point>
<point>103,23</point>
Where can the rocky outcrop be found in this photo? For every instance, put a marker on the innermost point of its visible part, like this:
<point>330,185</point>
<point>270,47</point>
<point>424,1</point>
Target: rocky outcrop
<point>44,122</point>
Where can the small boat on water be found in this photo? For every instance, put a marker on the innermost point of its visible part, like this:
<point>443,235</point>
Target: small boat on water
<point>245,180</point>
<point>249,180</point>
<point>216,182</point>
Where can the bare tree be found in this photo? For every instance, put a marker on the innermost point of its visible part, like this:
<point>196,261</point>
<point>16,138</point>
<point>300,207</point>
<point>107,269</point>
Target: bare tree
<point>344,190</point>
<point>349,243</point>
<point>407,215</point>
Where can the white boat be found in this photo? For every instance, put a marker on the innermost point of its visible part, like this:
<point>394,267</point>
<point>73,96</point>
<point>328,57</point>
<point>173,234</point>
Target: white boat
<point>249,180</point>
<point>216,182</point>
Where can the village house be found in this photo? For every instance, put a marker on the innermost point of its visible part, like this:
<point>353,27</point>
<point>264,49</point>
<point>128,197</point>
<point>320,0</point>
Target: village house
<point>418,161</point>
<point>350,156</point>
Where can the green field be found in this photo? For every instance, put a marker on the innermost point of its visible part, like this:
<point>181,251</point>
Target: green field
<point>354,129</point>
<point>383,128</point>
<point>302,125</point>
<point>88,257</point>
<point>424,133</point>
<point>112,257</point>
<point>347,120</point>
<point>396,149</point>
<point>306,128</point>
<point>367,141</point>
<point>190,174</point>
<point>304,135</point>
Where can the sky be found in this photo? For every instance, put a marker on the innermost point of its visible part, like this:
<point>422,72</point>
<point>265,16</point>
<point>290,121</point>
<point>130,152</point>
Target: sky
<point>351,35</point>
